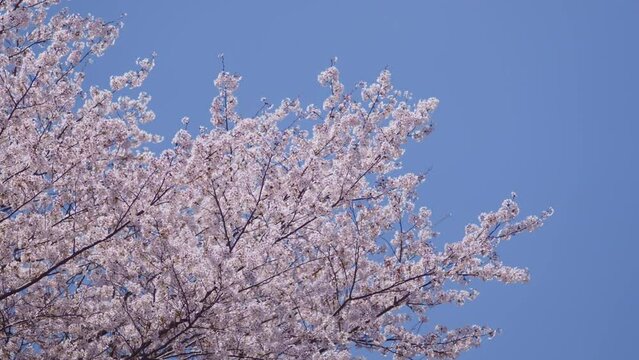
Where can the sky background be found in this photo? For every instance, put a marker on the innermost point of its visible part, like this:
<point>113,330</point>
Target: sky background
<point>538,97</point>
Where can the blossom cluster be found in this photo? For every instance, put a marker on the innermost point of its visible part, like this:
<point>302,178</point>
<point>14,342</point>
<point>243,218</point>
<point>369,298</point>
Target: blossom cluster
<point>248,240</point>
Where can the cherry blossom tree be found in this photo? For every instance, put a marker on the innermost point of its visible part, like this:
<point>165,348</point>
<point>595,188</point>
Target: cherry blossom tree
<point>290,234</point>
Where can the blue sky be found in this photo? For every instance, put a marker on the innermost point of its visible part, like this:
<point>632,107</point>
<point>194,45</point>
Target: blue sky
<point>537,97</point>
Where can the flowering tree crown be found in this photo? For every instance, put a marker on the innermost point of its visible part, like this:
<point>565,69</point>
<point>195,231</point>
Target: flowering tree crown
<point>250,240</point>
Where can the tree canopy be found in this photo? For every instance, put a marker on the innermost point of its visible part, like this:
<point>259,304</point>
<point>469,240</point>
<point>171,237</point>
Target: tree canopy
<point>254,239</point>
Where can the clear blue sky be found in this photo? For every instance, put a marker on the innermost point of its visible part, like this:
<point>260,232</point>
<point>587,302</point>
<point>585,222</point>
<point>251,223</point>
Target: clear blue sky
<point>537,97</point>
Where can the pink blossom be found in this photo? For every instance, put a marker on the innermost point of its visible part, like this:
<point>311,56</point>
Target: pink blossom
<point>252,239</point>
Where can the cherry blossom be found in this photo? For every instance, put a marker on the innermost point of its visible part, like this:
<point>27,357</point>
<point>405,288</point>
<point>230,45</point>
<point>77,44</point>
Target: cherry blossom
<point>251,239</point>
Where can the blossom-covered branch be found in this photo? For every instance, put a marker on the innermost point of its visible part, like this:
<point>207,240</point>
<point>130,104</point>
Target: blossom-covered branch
<point>252,239</point>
